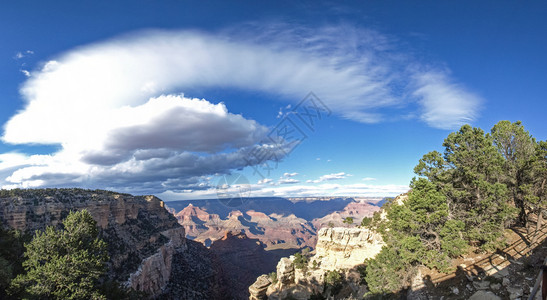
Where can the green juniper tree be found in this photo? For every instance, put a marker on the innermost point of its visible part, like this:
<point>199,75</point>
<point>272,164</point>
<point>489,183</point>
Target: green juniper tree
<point>460,199</point>
<point>348,220</point>
<point>11,257</point>
<point>518,148</point>
<point>535,188</point>
<point>474,186</point>
<point>64,264</point>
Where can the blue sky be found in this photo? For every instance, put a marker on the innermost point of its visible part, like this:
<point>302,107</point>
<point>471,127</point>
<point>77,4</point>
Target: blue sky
<point>164,98</point>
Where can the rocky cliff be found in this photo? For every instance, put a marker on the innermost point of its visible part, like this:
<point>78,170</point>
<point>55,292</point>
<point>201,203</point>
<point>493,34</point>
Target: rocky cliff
<point>133,226</point>
<point>146,244</point>
<point>356,210</point>
<point>154,272</point>
<point>345,248</point>
<point>339,250</point>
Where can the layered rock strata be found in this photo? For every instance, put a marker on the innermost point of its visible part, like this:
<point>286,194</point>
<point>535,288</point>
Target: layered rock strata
<point>338,249</point>
<point>143,237</point>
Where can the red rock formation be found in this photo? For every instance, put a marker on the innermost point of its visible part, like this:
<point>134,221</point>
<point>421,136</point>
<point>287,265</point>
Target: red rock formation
<point>274,230</point>
<point>356,210</point>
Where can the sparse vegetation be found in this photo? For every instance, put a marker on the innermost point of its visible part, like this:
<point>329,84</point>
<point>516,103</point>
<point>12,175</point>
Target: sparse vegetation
<point>333,281</point>
<point>300,261</point>
<point>273,277</point>
<point>348,220</point>
<point>366,221</point>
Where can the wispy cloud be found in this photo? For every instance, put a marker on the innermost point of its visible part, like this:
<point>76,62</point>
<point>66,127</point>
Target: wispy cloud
<point>287,181</point>
<point>117,111</point>
<point>265,181</point>
<point>25,72</point>
<point>290,174</point>
<point>444,104</point>
<point>23,54</point>
<point>328,177</point>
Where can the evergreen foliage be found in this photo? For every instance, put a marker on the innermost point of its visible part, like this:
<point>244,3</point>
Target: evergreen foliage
<point>464,197</point>
<point>348,220</point>
<point>11,257</point>
<point>366,222</point>
<point>273,277</point>
<point>333,282</point>
<point>300,261</point>
<point>64,264</point>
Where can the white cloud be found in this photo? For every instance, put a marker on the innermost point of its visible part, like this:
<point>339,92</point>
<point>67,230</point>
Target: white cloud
<point>369,179</point>
<point>290,174</point>
<point>287,181</point>
<point>328,177</point>
<point>22,54</point>
<point>145,145</point>
<point>445,105</point>
<point>265,181</point>
<point>117,112</point>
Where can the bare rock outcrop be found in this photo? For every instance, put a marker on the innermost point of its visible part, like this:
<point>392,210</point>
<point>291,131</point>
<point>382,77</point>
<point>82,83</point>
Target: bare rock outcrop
<point>154,273</point>
<point>285,272</point>
<point>356,210</point>
<point>338,249</point>
<point>343,248</point>
<point>257,291</point>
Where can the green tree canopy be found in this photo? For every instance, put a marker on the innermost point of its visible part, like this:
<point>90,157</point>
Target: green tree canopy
<point>465,196</point>
<point>11,257</point>
<point>518,149</point>
<point>66,263</point>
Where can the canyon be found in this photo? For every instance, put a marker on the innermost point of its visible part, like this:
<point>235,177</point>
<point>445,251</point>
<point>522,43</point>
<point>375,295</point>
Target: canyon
<point>278,223</point>
<point>147,247</point>
<point>206,251</point>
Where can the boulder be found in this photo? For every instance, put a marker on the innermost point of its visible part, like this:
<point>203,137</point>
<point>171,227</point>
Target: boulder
<point>484,295</point>
<point>258,289</point>
<point>285,271</point>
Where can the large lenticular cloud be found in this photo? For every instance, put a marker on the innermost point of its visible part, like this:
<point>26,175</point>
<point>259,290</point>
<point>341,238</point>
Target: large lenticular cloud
<point>117,109</point>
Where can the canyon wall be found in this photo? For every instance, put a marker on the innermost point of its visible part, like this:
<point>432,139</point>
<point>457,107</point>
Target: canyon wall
<point>338,249</point>
<point>343,248</point>
<point>143,237</point>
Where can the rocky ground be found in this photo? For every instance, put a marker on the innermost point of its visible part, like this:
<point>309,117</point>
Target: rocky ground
<point>507,274</point>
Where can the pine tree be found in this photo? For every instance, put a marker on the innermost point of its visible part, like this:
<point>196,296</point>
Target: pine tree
<point>66,263</point>
<point>518,148</point>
